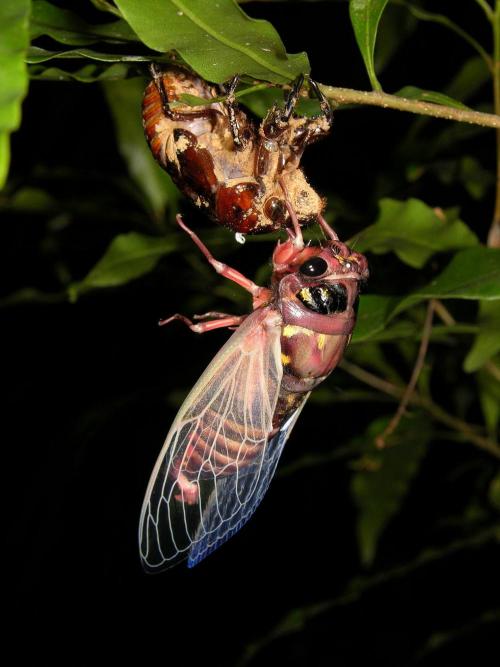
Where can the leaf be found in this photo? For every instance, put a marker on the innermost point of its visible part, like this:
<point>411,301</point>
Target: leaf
<point>37,55</point>
<point>414,93</point>
<point>472,274</point>
<point>128,256</point>
<point>124,100</point>
<point>67,28</point>
<point>489,397</point>
<point>365,16</point>
<point>380,486</point>
<point>494,492</point>
<point>217,39</point>
<point>414,231</point>
<point>373,315</point>
<point>14,40</point>
<point>487,342</point>
<point>89,73</point>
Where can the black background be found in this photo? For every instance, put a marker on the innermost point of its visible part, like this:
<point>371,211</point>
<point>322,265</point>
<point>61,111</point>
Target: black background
<point>87,412</point>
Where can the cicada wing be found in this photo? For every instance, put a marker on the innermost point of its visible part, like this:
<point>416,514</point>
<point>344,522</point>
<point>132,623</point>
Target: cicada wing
<point>235,498</point>
<point>220,431</point>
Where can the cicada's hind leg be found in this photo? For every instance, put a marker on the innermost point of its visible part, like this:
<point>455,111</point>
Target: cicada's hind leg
<point>157,76</point>
<point>260,295</point>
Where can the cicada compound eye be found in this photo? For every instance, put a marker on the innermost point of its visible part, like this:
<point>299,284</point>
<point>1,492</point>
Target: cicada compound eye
<point>314,267</point>
<point>275,210</point>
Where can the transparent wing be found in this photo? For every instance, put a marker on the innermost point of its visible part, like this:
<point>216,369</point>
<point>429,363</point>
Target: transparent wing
<point>235,500</point>
<point>211,465</point>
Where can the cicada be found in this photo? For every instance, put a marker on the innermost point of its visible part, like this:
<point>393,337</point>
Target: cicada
<point>226,440</point>
<point>226,163</point>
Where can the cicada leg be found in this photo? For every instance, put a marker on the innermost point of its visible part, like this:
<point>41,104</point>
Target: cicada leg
<point>239,139</point>
<point>260,295</point>
<point>157,76</point>
<point>210,325</point>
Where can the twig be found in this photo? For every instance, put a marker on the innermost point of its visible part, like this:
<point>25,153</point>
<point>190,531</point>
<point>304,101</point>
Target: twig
<point>340,96</point>
<point>297,618</point>
<point>467,431</point>
<point>410,388</point>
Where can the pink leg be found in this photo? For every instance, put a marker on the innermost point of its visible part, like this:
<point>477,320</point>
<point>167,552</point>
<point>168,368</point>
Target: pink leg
<point>210,325</point>
<point>259,293</point>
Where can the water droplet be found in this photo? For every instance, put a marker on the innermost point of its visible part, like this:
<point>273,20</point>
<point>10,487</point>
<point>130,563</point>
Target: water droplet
<point>179,13</point>
<point>268,50</point>
<point>247,43</point>
<point>240,238</point>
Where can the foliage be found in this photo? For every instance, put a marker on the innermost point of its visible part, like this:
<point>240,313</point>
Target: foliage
<point>424,224</point>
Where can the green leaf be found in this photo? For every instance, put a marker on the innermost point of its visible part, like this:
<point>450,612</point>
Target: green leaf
<point>365,16</point>
<point>494,492</point>
<point>489,397</point>
<point>37,55</point>
<point>414,232</point>
<point>487,342</point>
<point>384,478</point>
<point>472,274</point>
<point>128,256</point>
<point>413,93</point>
<point>217,39</point>
<point>89,73</point>
<point>373,314</point>
<point>124,100</point>
<point>14,40</point>
<point>67,28</point>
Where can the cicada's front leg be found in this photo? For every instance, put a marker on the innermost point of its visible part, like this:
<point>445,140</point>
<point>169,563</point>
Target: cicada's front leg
<point>261,295</point>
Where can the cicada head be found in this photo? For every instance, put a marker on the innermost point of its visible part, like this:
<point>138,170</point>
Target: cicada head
<point>318,286</point>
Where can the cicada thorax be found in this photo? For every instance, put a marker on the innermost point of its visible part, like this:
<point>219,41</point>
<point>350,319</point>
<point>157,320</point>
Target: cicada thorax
<point>239,184</point>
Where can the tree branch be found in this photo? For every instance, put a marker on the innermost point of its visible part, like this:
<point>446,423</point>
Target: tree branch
<point>410,388</point>
<point>341,96</point>
<point>468,431</point>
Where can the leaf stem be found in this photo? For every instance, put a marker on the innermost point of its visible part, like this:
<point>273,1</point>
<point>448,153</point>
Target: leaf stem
<point>410,388</point>
<point>341,96</point>
<point>486,8</point>
<point>444,21</point>
<point>468,431</point>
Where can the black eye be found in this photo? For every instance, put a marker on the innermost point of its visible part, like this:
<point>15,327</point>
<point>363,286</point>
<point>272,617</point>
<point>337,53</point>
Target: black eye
<point>316,266</point>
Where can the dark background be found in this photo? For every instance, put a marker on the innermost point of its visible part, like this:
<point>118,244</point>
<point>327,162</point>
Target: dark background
<point>90,400</point>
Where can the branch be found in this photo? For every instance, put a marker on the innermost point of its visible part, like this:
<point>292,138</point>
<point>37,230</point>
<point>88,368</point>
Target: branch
<point>341,96</point>
<point>466,430</point>
<point>410,388</point>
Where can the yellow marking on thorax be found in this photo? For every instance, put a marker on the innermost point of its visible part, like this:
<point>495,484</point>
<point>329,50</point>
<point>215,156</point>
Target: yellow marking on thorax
<point>290,330</point>
<point>285,359</point>
<point>321,341</point>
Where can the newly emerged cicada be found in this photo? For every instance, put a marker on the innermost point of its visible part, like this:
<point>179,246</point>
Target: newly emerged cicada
<point>224,445</point>
<point>227,164</point>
